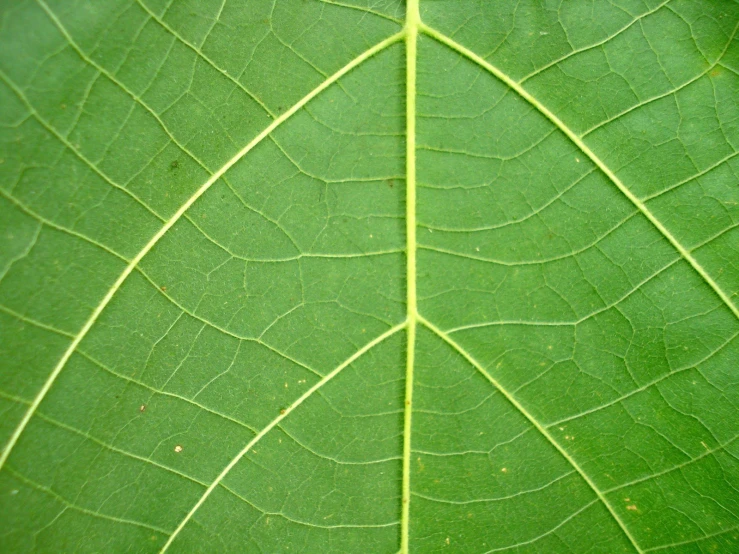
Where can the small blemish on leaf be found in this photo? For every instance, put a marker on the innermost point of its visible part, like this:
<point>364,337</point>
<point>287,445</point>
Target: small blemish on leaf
<point>178,449</point>
<point>174,165</point>
<point>283,411</point>
<point>631,507</point>
<point>164,289</point>
<point>142,408</point>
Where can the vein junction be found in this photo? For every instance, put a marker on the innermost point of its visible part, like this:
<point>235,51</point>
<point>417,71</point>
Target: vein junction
<point>409,35</point>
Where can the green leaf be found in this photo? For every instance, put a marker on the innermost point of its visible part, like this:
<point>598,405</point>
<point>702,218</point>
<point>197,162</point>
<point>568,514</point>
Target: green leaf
<point>356,276</point>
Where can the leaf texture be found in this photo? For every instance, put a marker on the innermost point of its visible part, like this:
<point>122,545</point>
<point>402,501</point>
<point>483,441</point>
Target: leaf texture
<point>362,276</point>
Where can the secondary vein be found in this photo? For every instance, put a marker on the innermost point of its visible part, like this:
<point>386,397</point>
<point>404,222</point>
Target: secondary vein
<point>169,224</point>
<point>544,432</point>
<point>276,422</point>
<point>578,141</point>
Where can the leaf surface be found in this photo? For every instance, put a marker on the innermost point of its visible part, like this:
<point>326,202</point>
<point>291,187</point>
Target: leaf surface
<point>361,276</point>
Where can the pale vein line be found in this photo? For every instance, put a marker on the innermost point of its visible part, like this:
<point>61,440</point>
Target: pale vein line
<point>155,390</point>
<point>51,225</point>
<point>174,33</point>
<point>570,254</point>
<point>577,141</point>
<point>595,45</point>
<point>361,9</point>
<point>692,177</point>
<point>61,138</point>
<point>664,94</point>
<point>276,422</point>
<point>117,450</point>
<point>83,55</point>
<point>30,321</point>
<point>496,498</point>
<point>168,225</point>
<point>677,467</point>
<point>308,523</point>
<point>511,222</point>
<point>574,322</point>
<point>552,530</point>
<point>80,509</point>
<point>690,541</point>
<point>645,386</point>
<point>601,496</point>
<point>412,22</point>
<point>335,459</point>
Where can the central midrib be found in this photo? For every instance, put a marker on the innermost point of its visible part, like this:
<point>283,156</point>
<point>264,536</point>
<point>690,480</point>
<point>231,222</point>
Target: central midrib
<point>412,23</point>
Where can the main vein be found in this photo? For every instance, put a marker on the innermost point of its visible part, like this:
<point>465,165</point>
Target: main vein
<point>168,225</point>
<point>411,39</point>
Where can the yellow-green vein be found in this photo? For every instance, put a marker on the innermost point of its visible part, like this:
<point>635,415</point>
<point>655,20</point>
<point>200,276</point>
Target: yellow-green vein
<point>168,225</point>
<point>641,206</point>
<point>601,496</point>
<point>286,412</point>
<point>411,40</point>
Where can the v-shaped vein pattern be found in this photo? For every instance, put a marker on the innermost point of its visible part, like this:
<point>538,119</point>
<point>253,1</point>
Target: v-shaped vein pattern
<point>354,277</point>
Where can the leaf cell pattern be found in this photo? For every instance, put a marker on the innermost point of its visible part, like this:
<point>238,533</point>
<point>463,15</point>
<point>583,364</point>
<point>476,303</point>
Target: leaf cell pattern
<point>360,276</point>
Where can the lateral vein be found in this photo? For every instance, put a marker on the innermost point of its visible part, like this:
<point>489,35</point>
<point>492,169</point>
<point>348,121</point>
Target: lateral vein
<point>170,223</point>
<point>544,432</point>
<point>577,140</point>
<point>287,411</point>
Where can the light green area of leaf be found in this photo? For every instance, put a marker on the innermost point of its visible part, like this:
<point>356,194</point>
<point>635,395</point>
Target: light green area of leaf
<point>361,276</point>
